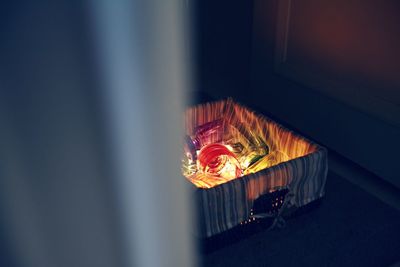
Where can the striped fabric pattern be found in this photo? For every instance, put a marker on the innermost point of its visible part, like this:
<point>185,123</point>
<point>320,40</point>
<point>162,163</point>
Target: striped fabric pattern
<point>226,205</point>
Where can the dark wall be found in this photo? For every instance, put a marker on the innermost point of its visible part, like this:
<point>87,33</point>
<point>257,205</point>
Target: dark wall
<point>222,39</point>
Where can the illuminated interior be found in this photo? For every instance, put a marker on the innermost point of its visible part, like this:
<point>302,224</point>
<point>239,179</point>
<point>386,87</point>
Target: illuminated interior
<point>225,141</point>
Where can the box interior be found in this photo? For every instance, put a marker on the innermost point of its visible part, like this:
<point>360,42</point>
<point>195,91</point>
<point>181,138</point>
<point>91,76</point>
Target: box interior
<point>241,124</point>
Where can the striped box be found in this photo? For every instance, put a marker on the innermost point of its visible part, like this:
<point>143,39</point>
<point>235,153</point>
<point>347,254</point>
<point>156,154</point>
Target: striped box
<point>229,204</point>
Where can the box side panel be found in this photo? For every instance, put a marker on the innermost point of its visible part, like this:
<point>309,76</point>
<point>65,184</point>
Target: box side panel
<point>222,207</point>
<point>226,205</point>
<point>311,173</point>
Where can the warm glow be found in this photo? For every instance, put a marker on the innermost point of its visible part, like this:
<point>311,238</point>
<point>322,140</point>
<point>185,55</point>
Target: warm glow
<point>226,141</point>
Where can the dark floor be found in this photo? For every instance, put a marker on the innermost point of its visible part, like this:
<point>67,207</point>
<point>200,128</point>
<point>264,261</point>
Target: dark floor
<point>349,228</point>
